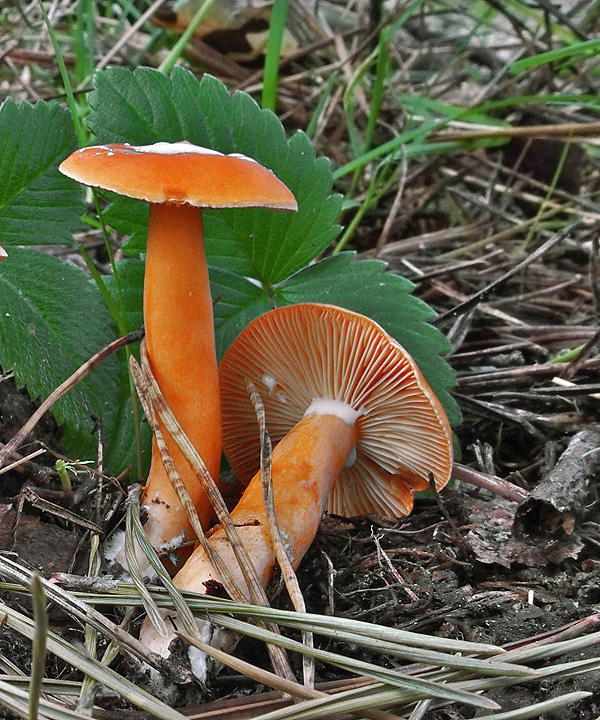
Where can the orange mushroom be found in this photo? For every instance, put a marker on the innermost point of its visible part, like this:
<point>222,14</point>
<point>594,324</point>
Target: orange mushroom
<point>178,180</point>
<point>357,428</point>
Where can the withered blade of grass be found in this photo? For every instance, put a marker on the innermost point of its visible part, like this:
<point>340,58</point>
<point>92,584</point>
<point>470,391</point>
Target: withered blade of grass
<point>564,130</point>
<point>411,683</point>
<point>104,675</point>
<point>123,594</point>
<point>64,388</point>
<point>147,395</point>
<point>160,409</point>
<point>287,571</point>
<point>269,679</point>
<point>133,564</point>
<point>87,614</point>
<point>40,636</point>
<point>182,608</point>
<point>546,706</point>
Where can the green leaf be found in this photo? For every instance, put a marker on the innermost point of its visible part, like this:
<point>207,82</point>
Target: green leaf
<point>52,321</point>
<point>144,107</point>
<point>130,272</point>
<point>362,286</point>
<point>38,205</point>
<point>237,301</point>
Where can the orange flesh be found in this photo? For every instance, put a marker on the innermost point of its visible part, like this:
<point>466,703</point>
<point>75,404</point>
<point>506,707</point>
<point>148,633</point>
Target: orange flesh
<point>180,342</point>
<point>306,463</point>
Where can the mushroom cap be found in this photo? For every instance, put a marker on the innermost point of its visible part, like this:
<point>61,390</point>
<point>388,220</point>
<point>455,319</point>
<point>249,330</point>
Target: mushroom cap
<point>179,173</point>
<point>298,354</point>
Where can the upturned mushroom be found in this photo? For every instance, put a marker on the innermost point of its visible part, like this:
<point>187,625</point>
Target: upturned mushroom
<point>356,430</point>
<point>178,180</point>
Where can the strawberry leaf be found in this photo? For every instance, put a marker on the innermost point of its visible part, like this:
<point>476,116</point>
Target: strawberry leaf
<point>43,340</point>
<point>38,205</point>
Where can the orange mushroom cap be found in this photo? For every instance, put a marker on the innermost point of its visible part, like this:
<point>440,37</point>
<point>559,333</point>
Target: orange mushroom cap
<point>179,173</point>
<point>308,355</point>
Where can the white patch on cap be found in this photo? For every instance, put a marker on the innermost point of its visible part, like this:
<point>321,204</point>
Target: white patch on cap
<point>167,148</point>
<point>176,148</point>
<point>325,406</point>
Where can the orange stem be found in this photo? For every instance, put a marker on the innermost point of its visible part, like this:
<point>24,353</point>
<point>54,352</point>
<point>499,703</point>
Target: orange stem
<point>180,342</point>
<point>306,463</point>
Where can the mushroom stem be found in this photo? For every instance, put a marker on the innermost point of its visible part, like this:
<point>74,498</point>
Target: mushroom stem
<point>306,463</point>
<point>180,342</point>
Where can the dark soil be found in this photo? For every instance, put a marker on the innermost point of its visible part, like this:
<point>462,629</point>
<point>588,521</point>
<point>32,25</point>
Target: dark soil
<point>428,573</point>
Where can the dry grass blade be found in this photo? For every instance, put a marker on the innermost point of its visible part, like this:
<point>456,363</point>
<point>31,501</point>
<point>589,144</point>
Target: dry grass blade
<point>534,711</point>
<point>271,680</point>
<point>414,686</point>
<point>147,394</point>
<point>38,653</point>
<point>104,675</point>
<point>16,700</point>
<point>124,594</point>
<point>133,564</point>
<point>287,571</point>
<point>159,408</point>
<point>86,614</point>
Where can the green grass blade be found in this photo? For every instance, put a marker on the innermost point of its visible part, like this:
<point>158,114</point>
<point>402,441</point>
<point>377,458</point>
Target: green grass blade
<point>176,52</point>
<point>586,48</point>
<point>279,13</point>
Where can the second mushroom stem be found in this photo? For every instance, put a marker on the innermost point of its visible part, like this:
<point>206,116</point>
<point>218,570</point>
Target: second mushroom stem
<point>306,463</point>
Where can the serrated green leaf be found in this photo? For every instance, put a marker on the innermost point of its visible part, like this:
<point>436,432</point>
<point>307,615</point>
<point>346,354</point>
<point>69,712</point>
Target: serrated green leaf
<point>130,272</point>
<point>362,286</point>
<point>52,319</point>
<point>144,107</point>
<point>237,301</point>
<point>38,205</point>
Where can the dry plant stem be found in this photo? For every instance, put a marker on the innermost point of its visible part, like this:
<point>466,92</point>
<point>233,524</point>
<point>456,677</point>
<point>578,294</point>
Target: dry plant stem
<point>565,130</point>
<point>257,595</point>
<point>284,686</point>
<point>497,485</point>
<point>41,503</point>
<point>17,464</point>
<point>64,388</point>
<point>283,560</point>
<point>532,257</point>
<point>87,614</point>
